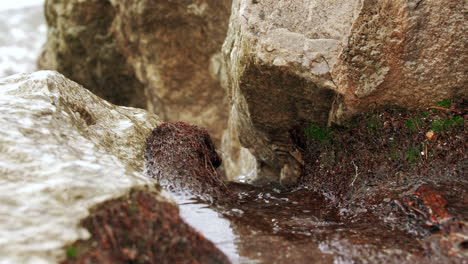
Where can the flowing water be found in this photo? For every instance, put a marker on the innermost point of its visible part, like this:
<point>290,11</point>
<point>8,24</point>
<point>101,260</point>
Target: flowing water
<point>272,226</point>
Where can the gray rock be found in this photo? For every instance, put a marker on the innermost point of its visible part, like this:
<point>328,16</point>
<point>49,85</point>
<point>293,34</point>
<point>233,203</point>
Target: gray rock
<point>278,56</point>
<point>63,151</point>
<point>289,63</point>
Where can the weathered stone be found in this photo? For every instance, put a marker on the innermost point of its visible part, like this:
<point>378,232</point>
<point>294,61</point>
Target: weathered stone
<point>81,46</point>
<point>278,56</point>
<point>293,62</point>
<point>171,48</point>
<point>63,151</point>
<point>405,52</point>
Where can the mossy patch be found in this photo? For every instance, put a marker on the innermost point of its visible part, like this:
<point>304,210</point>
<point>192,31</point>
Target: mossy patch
<point>318,133</point>
<point>71,252</point>
<point>446,124</point>
<point>445,103</point>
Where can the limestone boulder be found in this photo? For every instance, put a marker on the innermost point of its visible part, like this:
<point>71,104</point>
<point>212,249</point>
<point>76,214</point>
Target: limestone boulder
<point>65,152</point>
<point>165,55</point>
<point>290,63</point>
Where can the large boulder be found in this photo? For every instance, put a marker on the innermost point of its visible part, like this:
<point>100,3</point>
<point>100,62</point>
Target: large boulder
<point>293,62</point>
<point>65,151</point>
<point>408,53</point>
<point>162,55</point>
<point>81,46</point>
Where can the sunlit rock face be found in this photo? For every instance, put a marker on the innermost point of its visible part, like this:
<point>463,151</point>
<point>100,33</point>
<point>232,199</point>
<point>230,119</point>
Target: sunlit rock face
<point>293,62</point>
<point>161,55</point>
<point>63,151</point>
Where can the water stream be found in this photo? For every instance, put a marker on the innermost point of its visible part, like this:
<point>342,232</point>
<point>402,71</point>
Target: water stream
<point>271,226</point>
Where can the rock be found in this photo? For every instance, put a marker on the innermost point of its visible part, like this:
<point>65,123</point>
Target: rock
<point>161,55</point>
<point>278,56</point>
<point>294,62</point>
<point>406,53</point>
<point>81,46</point>
<point>64,151</point>
<point>183,159</point>
<point>152,230</point>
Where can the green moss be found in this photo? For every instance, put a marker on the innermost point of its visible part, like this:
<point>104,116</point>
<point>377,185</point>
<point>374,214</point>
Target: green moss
<point>411,155</point>
<point>446,124</point>
<point>320,134</point>
<point>445,103</point>
<point>424,114</point>
<point>413,125</point>
<point>394,156</point>
<point>71,252</point>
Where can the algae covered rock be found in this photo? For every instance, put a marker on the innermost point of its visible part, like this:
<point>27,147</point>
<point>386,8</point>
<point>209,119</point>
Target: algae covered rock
<point>63,152</point>
<point>183,159</point>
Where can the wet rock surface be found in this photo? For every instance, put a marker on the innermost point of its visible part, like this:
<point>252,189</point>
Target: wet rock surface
<point>270,225</point>
<point>139,228</point>
<point>63,151</point>
<point>353,204</point>
<point>405,167</point>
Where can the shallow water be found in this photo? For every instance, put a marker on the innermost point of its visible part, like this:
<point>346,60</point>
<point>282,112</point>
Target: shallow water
<point>212,225</point>
<point>271,226</point>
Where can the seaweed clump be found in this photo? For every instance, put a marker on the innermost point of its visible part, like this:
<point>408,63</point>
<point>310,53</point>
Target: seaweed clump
<point>183,159</point>
<point>139,228</point>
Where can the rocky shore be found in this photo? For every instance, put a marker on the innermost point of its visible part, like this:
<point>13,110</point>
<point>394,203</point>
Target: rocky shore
<point>318,131</point>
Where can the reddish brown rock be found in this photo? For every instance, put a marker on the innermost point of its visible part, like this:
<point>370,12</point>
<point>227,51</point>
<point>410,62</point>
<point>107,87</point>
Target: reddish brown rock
<point>404,52</point>
<point>141,229</point>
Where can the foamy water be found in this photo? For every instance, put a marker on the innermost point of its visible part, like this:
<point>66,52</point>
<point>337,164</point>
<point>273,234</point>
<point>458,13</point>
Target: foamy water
<point>8,5</point>
<point>22,35</point>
